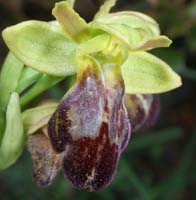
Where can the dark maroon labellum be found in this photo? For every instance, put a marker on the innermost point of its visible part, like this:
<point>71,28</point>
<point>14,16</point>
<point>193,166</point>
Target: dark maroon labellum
<point>80,113</point>
<point>92,126</point>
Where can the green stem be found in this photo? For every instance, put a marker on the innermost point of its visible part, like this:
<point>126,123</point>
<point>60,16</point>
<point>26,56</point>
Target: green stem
<point>43,84</point>
<point>28,77</point>
<point>9,77</point>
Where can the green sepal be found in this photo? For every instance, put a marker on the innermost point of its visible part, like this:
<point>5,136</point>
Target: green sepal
<point>38,117</point>
<point>144,73</point>
<point>12,143</point>
<point>42,46</point>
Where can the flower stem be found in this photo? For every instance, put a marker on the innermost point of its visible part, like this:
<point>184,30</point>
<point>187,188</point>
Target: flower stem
<point>28,77</point>
<point>44,83</point>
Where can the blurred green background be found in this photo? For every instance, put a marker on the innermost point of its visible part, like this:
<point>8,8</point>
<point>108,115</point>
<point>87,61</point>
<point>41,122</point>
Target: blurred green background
<point>159,163</point>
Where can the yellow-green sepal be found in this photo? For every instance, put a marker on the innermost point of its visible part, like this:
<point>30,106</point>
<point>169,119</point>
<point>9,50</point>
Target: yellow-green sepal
<point>144,73</point>
<point>42,46</point>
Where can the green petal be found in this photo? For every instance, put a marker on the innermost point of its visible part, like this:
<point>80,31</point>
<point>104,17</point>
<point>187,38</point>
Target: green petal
<point>105,8</point>
<point>13,140</point>
<point>36,118</point>
<point>136,30</point>
<point>133,19</point>
<point>71,22</point>
<point>144,73</point>
<point>94,45</point>
<point>42,47</point>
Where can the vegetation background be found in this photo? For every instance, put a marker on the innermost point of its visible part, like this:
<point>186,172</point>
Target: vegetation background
<point>159,163</point>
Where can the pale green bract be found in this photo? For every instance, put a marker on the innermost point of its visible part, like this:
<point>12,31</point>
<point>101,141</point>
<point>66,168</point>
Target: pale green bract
<point>35,118</point>
<point>14,138</point>
<point>42,47</point>
<point>144,73</point>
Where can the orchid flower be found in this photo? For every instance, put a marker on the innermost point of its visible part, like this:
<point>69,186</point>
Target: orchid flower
<point>114,92</point>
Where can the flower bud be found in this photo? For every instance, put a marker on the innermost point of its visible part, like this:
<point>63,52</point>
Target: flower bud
<point>143,110</point>
<point>46,163</point>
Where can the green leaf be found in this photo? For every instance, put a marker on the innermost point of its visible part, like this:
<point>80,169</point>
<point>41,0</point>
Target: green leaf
<point>9,77</point>
<point>105,8</point>
<point>71,22</point>
<point>13,140</point>
<point>42,47</point>
<point>136,30</point>
<point>144,73</point>
<point>36,118</point>
<point>12,67</point>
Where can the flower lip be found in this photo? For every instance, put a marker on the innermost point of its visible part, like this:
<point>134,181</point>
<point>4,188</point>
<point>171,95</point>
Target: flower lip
<point>91,125</point>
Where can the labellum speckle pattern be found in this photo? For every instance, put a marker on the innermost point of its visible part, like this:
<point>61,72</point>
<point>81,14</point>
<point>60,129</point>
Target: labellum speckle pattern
<point>91,124</point>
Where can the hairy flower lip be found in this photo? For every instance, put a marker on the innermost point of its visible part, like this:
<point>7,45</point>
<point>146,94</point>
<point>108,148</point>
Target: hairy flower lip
<point>90,90</point>
<point>95,161</point>
<point>92,126</point>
